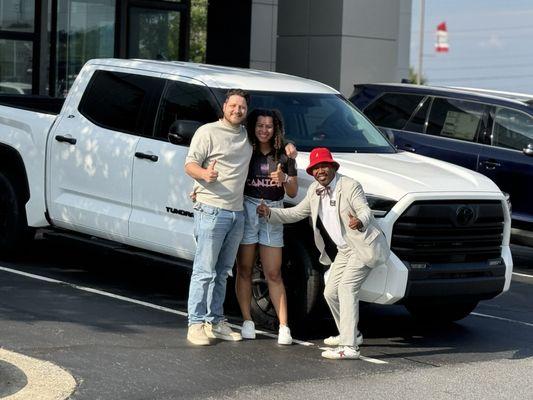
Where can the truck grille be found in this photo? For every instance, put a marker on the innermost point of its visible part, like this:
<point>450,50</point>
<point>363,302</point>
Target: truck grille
<point>449,231</point>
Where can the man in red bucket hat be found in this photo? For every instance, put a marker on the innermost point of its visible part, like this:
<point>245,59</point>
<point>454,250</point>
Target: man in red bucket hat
<point>339,212</point>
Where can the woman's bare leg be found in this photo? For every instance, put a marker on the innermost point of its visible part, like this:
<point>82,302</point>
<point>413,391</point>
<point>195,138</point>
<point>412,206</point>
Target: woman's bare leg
<point>243,281</point>
<point>271,261</point>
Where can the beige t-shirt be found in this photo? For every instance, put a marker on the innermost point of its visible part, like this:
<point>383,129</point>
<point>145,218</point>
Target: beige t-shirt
<point>231,149</point>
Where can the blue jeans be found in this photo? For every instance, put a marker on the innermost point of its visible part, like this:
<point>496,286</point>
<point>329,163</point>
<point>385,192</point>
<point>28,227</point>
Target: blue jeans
<point>218,233</point>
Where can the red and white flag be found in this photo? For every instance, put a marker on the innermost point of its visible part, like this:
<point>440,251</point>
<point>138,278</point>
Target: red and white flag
<point>442,38</point>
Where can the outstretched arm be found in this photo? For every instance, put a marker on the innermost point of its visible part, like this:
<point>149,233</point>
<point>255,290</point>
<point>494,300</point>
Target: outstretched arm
<point>289,215</point>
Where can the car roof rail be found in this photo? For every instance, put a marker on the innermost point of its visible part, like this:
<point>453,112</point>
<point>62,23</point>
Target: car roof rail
<point>523,97</point>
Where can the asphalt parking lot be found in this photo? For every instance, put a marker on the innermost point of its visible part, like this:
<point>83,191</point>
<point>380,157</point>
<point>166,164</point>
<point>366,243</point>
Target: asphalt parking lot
<point>117,326</point>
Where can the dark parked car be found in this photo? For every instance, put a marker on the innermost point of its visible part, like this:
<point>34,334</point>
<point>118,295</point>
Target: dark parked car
<point>486,131</point>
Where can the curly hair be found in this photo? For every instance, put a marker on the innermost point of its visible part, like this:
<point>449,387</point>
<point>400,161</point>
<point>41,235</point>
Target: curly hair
<point>276,141</point>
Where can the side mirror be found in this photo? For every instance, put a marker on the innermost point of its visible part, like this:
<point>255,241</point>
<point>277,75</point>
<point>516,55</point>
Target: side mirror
<point>528,151</point>
<point>182,130</point>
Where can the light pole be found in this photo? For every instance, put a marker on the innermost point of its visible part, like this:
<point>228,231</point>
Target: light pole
<point>421,40</point>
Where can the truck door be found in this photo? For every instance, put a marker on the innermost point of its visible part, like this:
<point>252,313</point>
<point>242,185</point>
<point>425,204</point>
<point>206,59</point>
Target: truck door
<point>91,153</point>
<point>162,211</point>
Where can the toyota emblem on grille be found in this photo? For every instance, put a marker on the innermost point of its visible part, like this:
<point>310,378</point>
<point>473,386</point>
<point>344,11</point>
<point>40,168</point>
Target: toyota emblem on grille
<point>465,215</point>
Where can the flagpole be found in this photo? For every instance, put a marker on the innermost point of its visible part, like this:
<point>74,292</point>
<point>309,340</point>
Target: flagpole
<point>421,41</point>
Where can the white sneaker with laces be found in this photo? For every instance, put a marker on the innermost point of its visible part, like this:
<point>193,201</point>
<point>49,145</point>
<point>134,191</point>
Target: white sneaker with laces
<point>248,330</point>
<point>222,330</point>
<point>342,353</point>
<point>335,340</point>
<point>284,335</point>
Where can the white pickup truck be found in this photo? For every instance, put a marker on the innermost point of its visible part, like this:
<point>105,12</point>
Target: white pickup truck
<point>109,168</point>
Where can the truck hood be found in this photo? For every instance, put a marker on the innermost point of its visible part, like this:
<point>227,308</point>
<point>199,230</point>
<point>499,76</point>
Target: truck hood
<point>395,175</point>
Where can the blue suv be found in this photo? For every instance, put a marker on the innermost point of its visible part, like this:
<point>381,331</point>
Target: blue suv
<point>486,131</point>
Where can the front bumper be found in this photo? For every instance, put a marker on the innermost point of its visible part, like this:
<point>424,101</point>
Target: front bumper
<point>472,281</point>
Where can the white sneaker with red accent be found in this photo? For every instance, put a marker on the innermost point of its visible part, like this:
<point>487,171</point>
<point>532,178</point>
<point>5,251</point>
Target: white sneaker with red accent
<point>336,340</point>
<point>342,353</point>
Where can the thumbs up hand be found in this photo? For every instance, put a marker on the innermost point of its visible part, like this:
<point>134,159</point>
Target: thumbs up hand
<point>354,223</point>
<point>278,176</point>
<point>263,210</point>
<point>210,175</point>
<point>192,195</point>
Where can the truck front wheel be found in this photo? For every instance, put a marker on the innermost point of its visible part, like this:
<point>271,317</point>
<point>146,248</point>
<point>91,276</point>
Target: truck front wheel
<point>441,313</point>
<point>13,226</point>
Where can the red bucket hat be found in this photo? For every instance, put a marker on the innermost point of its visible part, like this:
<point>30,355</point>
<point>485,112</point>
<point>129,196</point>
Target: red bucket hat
<point>320,155</point>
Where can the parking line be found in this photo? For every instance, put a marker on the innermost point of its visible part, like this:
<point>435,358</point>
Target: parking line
<point>523,275</point>
<point>146,304</point>
<point>502,319</point>
<point>367,359</point>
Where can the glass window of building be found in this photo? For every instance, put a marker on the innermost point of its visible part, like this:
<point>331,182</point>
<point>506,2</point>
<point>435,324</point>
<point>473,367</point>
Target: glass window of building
<point>198,31</point>
<point>17,15</point>
<point>85,30</point>
<point>154,34</point>
<point>17,25</point>
<point>16,66</point>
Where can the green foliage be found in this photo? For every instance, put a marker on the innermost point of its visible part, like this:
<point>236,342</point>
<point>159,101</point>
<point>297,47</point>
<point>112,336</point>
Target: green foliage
<point>413,75</point>
<point>198,34</point>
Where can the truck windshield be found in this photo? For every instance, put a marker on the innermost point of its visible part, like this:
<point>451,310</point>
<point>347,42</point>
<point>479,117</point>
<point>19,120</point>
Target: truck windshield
<point>322,120</point>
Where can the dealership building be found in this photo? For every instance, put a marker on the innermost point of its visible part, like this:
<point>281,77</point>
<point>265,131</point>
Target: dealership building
<point>44,43</point>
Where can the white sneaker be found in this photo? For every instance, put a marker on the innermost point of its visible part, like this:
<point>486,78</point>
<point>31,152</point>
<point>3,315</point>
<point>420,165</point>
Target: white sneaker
<point>222,331</point>
<point>284,335</point>
<point>248,330</point>
<point>336,340</point>
<point>342,353</point>
<point>196,335</point>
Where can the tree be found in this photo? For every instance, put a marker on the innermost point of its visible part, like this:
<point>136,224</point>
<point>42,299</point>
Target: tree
<point>198,34</point>
<point>413,75</point>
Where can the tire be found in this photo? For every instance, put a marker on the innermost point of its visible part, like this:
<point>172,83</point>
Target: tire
<point>302,276</point>
<point>441,313</point>
<point>13,226</point>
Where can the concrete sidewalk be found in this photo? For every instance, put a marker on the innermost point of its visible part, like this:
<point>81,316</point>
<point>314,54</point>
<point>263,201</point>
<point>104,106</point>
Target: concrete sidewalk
<point>23,377</point>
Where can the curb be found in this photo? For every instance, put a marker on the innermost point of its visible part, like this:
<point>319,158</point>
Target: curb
<point>30,378</point>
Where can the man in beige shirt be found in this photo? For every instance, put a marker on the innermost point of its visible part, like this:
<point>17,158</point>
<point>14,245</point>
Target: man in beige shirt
<point>218,160</point>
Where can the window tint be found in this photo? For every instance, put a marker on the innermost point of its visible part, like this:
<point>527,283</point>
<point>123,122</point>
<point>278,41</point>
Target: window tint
<point>418,121</point>
<point>512,129</point>
<point>185,101</point>
<point>114,100</point>
<point>455,119</point>
<point>393,110</point>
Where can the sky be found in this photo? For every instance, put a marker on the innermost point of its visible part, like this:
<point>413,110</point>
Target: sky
<point>490,43</point>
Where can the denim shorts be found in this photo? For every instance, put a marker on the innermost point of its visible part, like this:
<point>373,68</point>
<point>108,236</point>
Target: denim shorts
<point>256,228</point>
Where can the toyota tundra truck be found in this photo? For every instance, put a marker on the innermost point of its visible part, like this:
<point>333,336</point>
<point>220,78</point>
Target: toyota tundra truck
<point>108,168</point>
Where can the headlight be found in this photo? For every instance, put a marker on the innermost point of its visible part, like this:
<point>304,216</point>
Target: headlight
<point>380,206</point>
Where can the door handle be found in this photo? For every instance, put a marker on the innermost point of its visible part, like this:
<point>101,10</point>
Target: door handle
<point>490,164</point>
<point>145,156</point>
<point>66,139</point>
<point>408,147</point>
